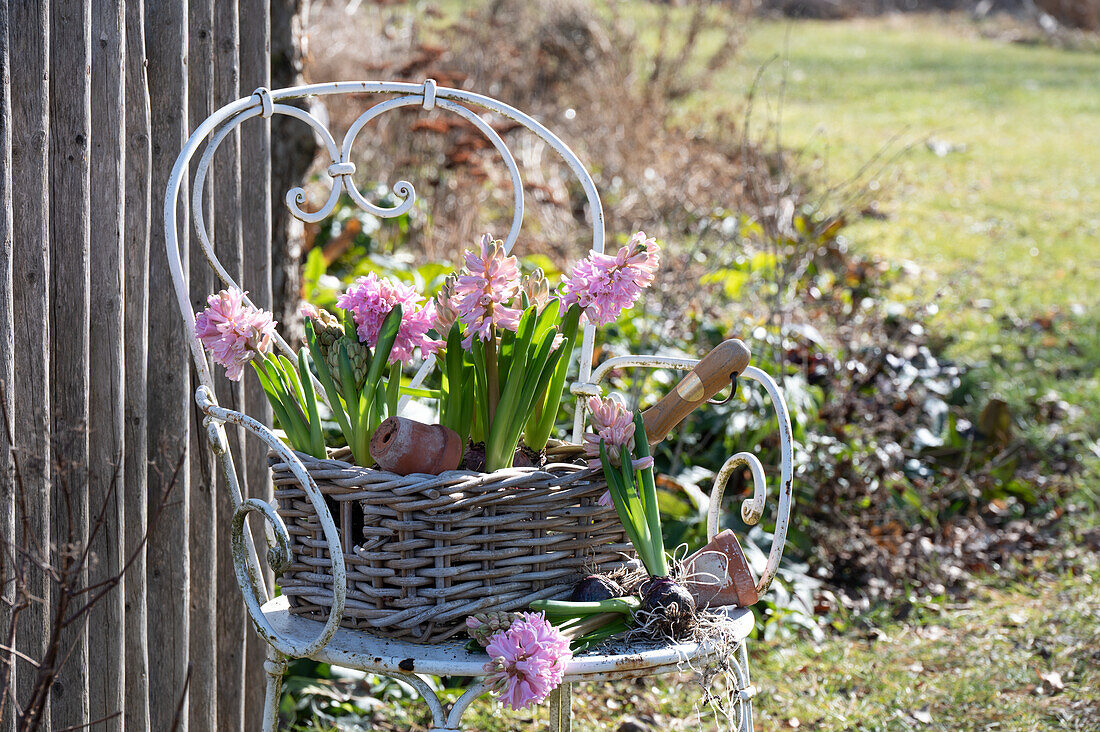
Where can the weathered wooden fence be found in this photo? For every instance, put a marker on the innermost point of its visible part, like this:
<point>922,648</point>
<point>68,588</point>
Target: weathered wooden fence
<point>98,97</point>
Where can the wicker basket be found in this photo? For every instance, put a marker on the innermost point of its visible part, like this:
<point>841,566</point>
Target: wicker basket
<point>423,552</point>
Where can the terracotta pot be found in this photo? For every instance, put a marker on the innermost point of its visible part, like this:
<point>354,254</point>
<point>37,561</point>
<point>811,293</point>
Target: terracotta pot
<point>403,446</point>
<point>719,574</point>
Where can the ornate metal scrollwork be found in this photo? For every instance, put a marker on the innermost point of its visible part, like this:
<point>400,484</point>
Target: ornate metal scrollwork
<point>279,555</point>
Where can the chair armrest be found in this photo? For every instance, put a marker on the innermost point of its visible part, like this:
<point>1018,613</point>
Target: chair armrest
<point>752,509</point>
<point>245,562</point>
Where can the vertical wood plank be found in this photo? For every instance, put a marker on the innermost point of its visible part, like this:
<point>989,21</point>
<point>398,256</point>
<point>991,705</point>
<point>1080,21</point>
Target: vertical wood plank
<point>106,429</point>
<point>7,346</point>
<point>70,128</point>
<point>203,636</point>
<point>168,401</point>
<point>136,232</point>
<point>29,25</point>
<point>293,147</point>
<point>255,52</point>
<point>232,621</point>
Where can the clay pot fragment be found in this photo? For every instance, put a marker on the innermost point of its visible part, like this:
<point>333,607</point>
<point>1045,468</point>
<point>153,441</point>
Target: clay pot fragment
<point>718,574</point>
<point>404,446</point>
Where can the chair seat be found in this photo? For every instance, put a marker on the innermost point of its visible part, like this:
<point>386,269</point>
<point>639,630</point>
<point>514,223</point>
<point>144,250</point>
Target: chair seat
<point>614,659</point>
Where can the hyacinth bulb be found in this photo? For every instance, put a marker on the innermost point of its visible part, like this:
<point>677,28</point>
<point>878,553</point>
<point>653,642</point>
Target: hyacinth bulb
<point>670,606</point>
<point>596,588</point>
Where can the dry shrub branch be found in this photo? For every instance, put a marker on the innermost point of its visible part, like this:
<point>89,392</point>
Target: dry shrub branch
<point>70,599</point>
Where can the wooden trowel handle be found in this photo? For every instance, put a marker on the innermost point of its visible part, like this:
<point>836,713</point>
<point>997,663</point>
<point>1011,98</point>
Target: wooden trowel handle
<point>715,371</point>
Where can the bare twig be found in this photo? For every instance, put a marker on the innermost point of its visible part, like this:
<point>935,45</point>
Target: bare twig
<point>177,718</point>
<point>66,570</point>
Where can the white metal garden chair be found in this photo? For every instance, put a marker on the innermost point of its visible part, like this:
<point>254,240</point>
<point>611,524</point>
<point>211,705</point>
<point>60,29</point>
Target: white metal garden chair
<point>291,636</point>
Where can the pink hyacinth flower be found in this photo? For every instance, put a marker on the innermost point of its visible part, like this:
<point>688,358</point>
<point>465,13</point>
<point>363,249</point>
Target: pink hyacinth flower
<point>370,299</point>
<point>528,661</point>
<point>233,331</point>
<point>604,286</point>
<point>613,424</point>
<point>489,281</point>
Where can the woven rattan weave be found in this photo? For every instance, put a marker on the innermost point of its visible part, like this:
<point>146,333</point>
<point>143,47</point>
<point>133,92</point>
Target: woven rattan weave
<point>423,551</point>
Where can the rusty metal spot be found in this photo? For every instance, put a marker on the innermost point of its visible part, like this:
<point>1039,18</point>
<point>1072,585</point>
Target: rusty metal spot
<point>406,664</point>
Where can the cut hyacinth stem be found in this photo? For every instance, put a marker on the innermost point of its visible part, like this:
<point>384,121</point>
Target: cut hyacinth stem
<point>628,506</point>
<point>579,627</point>
<point>593,638</point>
<point>622,605</point>
<point>649,498</point>
<point>541,423</point>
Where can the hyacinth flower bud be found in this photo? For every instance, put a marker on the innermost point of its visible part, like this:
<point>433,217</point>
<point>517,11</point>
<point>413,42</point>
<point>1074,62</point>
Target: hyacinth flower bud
<point>330,336</point>
<point>537,289</point>
<point>445,311</point>
<point>483,626</point>
<point>327,327</point>
<point>358,354</point>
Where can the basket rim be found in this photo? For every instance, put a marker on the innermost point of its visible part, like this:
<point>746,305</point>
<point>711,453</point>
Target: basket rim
<point>332,462</point>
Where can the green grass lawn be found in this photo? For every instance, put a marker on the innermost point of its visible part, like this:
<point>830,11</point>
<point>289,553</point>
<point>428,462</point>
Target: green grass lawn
<point>1004,225</point>
<point>1011,212</point>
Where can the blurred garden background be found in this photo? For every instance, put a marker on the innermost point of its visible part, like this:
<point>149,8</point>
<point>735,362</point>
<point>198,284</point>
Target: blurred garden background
<point>899,213</point>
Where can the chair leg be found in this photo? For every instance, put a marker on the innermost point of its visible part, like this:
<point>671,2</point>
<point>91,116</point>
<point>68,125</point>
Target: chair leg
<point>561,708</point>
<point>747,691</point>
<point>274,667</point>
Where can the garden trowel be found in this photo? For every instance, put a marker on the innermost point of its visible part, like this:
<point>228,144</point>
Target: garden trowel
<point>718,369</point>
